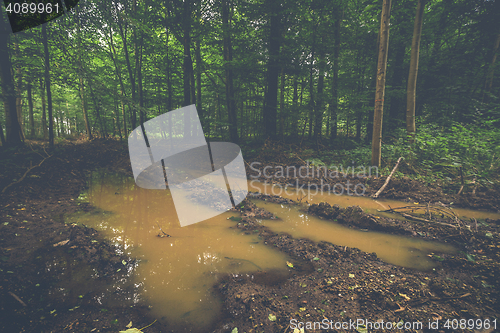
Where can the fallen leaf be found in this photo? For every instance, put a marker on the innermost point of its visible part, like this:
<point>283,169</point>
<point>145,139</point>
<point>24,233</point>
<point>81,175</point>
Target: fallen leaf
<point>61,243</point>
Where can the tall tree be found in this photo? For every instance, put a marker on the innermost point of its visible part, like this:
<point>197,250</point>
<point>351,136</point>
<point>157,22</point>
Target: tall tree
<point>412,76</point>
<point>273,69</point>
<point>380,88</point>
<point>334,104</point>
<point>47,83</point>
<point>228,58</point>
<point>13,137</point>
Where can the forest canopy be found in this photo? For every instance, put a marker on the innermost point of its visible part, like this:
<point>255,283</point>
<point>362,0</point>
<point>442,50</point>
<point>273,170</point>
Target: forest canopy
<point>256,69</point>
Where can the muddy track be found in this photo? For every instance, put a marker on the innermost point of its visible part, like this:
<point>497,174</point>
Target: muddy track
<point>327,281</point>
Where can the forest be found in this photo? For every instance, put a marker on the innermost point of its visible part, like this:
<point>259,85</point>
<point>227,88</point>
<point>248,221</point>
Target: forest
<point>410,87</point>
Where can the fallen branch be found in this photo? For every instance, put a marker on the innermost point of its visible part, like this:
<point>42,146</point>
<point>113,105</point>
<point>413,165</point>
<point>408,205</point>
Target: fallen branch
<point>388,179</point>
<point>17,298</point>
<point>25,174</point>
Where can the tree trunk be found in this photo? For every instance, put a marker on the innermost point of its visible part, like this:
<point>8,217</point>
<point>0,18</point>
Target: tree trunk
<point>380,89</point>
<point>318,126</point>
<point>282,104</point>
<point>273,70</point>
<point>295,101</point>
<point>13,128</point>
<point>47,84</point>
<point>228,58</point>
<point>30,106</point>
<point>44,111</point>
<point>19,92</point>
<point>199,69</point>
<point>123,35</point>
<point>334,105</point>
<point>412,76</point>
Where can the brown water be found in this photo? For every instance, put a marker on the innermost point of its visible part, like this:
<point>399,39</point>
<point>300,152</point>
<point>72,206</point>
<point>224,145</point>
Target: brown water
<point>397,250</point>
<point>368,204</point>
<point>176,274</point>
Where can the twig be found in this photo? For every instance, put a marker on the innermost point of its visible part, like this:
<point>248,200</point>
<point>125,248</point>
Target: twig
<point>17,298</point>
<point>27,171</point>
<point>164,233</point>
<point>387,179</point>
<point>411,217</point>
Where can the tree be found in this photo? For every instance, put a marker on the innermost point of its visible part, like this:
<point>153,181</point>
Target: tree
<point>47,84</point>
<point>412,76</point>
<point>380,88</point>
<point>228,58</point>
<point>14,135</point>
<point>273,70</point>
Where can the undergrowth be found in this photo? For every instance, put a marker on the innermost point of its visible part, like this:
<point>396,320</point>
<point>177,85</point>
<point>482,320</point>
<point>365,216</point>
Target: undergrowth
<point>438,154</point>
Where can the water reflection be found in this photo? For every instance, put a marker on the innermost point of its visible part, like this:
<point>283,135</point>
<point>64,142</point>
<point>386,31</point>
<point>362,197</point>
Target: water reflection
<point>177,271</point>
<point>397,250</point>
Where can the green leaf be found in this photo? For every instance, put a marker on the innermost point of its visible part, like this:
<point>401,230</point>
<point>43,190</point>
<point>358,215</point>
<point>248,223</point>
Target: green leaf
<point>235,330</point>
<point>272,317</point>
<point>315,258</point>
<point>470,257</point>
<point>235,218</point>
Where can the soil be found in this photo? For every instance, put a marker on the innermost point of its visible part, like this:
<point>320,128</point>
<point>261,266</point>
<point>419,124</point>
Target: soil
<point>38,252</point>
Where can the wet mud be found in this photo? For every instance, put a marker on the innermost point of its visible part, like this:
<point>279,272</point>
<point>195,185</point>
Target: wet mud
<point>39,253</point>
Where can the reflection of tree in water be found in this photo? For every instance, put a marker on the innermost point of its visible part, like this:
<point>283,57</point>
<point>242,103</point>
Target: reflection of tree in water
<point>208,194</point>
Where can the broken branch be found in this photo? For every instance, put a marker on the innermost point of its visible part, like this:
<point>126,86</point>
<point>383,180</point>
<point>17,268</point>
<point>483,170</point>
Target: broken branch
<point>388,179</point>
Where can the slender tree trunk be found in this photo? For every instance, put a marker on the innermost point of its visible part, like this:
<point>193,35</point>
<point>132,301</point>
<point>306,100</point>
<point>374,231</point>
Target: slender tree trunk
<point>169,81</point>
<point>19,93</point>
<point>199,69</point>
<point>273,70</point>
<point>380,89</point>
<point>228,58</point>
<point>282,104</point>
<point>311,88</point>
<point>412,76</point>
<point>44,111</point>
<point>47,85</point>
<point>138,67</point>
<point>318,126</point>
<point>334,105</point>
<point>123,35</point>
<point>295,112</point>
<point>30,110</point>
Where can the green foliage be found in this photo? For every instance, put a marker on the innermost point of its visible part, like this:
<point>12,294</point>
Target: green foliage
<point>437,153</point>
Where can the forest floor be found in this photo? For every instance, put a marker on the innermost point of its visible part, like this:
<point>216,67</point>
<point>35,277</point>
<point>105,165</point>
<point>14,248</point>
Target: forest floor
<point>340,284</point>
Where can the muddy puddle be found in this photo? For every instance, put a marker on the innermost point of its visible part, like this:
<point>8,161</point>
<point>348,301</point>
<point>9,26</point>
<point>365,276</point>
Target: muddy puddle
<point>179,266</point>
<point>366,203</point>
<point>397,250</point>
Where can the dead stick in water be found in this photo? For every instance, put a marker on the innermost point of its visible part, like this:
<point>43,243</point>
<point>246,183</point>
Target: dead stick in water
<point>388,179</point>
